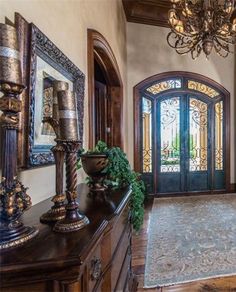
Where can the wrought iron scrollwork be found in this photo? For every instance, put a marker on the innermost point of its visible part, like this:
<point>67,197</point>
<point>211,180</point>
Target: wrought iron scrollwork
<point>169,111</point>
<point>164,85</point>
<point>198,135</point>
<point>199,112</point>
<point>219,136</point>
<point>170,142</point>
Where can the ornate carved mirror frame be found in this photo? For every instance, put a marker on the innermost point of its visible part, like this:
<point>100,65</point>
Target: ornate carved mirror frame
<point>34,44</point>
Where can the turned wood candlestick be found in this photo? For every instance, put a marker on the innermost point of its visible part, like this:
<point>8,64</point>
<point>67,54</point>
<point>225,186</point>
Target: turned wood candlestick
<point>57,211</point>
<point>73,220</point>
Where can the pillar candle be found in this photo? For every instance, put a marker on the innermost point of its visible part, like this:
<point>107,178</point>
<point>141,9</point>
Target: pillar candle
<point>67,115</point>
<point>57,86</point>
<point>10,67</point>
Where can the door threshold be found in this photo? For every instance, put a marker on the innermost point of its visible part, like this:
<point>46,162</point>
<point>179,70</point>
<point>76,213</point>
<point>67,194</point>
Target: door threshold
<point>184,194</point>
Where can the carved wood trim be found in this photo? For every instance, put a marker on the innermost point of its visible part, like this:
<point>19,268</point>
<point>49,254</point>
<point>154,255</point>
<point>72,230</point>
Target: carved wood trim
<point>99,49</point>
<point>150,12</point>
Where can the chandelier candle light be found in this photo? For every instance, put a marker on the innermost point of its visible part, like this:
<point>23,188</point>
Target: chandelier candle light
<point>13,197</point>
<point>69,140</point>
<point>201,25</point>
<point>57,211</point>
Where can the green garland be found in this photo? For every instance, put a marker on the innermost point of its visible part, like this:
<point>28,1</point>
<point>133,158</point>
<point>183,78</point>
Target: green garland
<point>119,174</point>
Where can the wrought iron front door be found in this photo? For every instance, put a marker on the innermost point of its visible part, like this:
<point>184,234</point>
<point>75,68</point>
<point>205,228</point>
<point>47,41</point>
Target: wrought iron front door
<point>183,143</point>
<point>183,137</point>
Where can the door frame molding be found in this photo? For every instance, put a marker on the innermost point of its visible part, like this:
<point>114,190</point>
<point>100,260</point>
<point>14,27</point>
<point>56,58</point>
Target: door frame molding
<point>174,74</point>
<point>98,48</point>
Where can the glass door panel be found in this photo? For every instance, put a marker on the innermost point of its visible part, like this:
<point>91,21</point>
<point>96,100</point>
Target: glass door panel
<point>219,136</point>
<point>219,179</point>
<point>147,138</point>
<point>198,137</point>
<point>170,135</point>
<point>169,172</point>
<point>147,134</point>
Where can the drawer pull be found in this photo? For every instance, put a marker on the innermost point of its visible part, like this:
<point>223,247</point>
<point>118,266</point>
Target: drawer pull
<point>96,269</point>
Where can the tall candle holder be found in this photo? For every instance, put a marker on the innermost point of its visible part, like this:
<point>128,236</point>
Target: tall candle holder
<point>13,197</point>
<point>57,211</point>
<point>73,220</point>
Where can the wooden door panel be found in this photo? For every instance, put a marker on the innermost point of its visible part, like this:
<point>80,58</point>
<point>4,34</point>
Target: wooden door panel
<point>101,112</point>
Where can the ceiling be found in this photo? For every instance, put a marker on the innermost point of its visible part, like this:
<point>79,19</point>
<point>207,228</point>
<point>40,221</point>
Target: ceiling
<point>153,12</point>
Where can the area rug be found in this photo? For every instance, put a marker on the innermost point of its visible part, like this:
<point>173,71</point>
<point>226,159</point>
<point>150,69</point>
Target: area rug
<point>191,238</point>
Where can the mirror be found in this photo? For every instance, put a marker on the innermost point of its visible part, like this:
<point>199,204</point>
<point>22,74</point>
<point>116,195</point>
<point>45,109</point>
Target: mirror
<point>48,63</point>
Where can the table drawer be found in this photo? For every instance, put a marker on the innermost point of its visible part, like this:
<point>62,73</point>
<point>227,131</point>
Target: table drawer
<point>119,225</point>
<point>95,267</point>
<point>120,255</point>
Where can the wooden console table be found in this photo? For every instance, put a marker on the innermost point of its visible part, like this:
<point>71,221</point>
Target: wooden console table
<point>95,258</point>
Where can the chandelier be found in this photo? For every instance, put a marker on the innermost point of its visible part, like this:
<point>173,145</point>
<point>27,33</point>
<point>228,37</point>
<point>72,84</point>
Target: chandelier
<point>201,25</point>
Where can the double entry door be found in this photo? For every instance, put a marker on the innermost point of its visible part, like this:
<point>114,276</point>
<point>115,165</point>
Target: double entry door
<point>187,142</point>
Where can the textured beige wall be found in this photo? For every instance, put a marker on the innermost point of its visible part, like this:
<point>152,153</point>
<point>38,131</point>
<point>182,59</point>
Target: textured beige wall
<point>66,22</point>
<point>148,53</point>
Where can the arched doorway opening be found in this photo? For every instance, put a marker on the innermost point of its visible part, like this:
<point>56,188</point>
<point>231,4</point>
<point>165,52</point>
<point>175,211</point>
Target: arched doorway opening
<point>105,93</point>
<point>182,133</point>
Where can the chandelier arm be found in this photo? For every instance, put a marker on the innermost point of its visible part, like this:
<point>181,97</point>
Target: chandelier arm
<point>228,41</point>
<point>185,48</point>
<point>194,44</point>
<point>221,46</point>
<point>178,39</point>
<point>192,55</point>
<point>177,44</point>
<point>182,53</point>
<point>191,49</point>
<point>218,51</point>
<point>168,41</point>
<point>180,33</point>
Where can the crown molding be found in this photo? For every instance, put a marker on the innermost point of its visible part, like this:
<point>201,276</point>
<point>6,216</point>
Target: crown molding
<point>152,12</point>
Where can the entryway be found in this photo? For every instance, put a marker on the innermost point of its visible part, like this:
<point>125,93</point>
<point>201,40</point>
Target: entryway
<point>182,129</point>
<point>105,93</point>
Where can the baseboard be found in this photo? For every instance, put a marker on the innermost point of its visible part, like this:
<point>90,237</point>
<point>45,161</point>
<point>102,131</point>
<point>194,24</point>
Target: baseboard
<point>233,187</point>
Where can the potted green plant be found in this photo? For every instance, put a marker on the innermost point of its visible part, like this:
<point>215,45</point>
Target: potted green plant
<point>119,174</point>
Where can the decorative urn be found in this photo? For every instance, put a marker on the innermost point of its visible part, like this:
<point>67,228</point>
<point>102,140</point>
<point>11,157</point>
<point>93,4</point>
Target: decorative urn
<point>95,164</point>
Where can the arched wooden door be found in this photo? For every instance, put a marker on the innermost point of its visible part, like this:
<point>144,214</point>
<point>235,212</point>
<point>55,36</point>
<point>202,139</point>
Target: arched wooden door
<point>105,93</point>
<point>182,132</point>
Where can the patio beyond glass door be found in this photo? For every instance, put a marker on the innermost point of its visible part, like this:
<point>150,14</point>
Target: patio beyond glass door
<point>183,137</point>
